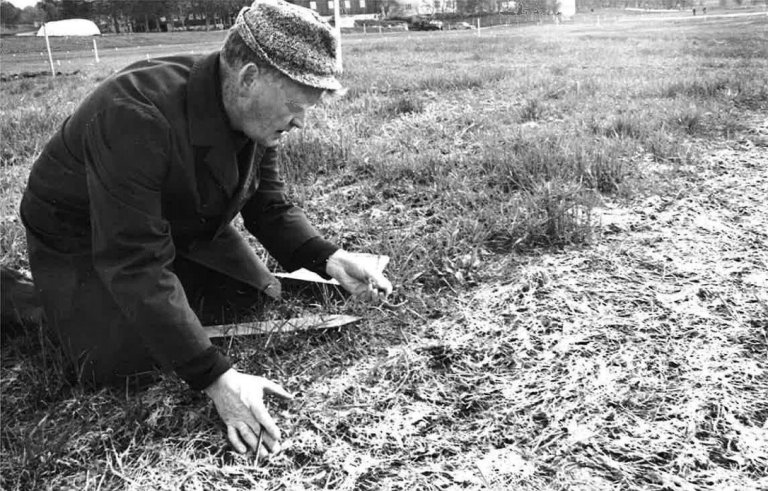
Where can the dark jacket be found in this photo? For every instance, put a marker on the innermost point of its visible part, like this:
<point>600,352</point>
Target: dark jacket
<point>146,166</point>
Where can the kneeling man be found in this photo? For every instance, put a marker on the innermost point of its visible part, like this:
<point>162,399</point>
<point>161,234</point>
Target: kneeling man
<point>128,208</point>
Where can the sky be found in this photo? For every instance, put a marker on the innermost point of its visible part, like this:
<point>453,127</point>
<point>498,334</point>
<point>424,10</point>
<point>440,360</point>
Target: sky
<point>23,3</point>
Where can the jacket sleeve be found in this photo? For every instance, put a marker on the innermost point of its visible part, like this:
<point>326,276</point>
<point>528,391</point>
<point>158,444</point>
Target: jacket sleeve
<point>127,156</point>
<point>281,226</point>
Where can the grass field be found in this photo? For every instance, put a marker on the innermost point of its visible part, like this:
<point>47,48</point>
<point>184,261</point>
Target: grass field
<point>577,220</point>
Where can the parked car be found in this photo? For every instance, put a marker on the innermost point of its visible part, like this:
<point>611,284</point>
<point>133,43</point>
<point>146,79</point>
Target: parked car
<point>426,25</point>
<point>461,26</point>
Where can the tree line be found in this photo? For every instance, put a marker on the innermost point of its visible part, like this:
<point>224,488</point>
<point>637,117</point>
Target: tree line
<point>124,16</point>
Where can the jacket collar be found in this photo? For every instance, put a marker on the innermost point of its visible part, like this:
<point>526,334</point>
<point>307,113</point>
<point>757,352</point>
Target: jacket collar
<point>208,122</point>
<point>209,125</point>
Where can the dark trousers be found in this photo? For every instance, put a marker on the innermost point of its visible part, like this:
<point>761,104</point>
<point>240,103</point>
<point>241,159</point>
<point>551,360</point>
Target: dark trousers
<point>100,342</point>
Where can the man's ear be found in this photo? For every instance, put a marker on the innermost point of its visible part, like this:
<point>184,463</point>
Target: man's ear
<point>248,75</point>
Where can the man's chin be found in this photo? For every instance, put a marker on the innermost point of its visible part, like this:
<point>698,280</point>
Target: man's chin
<point>276,139</point>
<point>272,142</point>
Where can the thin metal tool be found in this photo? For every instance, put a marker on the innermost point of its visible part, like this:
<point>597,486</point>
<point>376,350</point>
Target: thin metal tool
<point>306,323</point>
<point>258,445</point>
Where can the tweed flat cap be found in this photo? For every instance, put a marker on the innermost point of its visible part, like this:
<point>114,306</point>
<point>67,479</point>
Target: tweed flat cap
<point>294,40</point>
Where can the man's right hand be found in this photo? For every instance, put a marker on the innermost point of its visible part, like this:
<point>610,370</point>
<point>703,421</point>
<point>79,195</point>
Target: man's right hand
<point>358,276</point>
<point>239,399</point>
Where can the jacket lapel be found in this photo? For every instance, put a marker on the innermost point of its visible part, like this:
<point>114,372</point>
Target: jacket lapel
<point>222,163</point>
<point>209,127</point>
<point>241,194</point>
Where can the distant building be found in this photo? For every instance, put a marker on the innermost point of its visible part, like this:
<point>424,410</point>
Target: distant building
<point>411,8</point>
<point>386,9</point>
<point>567,8</point>
<point>509,6</point>
<point>346,7</point>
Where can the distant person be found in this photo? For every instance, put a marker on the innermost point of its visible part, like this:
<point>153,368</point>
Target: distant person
<point>694,11</point>
<point>128,208</point>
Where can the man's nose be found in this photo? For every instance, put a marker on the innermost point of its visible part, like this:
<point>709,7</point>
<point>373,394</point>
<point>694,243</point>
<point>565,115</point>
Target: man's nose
<point>298,121</point>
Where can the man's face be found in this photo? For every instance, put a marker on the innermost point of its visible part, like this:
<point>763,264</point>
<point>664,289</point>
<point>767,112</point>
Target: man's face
<point>273,106</point>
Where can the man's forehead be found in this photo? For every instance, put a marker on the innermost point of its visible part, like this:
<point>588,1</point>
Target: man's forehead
<point>303,94</point>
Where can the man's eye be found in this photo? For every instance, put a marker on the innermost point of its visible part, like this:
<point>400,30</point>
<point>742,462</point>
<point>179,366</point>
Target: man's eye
<point>294,107</point>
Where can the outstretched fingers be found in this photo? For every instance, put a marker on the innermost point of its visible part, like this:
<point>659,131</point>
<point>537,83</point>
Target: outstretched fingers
<point>234,439</point>
<point>261,415</point>
<point>271,387</point>
<point>270,445</point>
<point>249,435</point>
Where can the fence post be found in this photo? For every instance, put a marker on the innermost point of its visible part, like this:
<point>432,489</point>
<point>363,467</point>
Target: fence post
<point>48,47</point>
<point>95,51</point>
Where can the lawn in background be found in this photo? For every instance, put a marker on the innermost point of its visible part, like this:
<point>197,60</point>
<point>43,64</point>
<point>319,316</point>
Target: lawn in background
<point>472,161</point>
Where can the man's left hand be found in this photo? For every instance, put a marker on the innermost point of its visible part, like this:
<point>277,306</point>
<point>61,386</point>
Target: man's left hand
<point>359,277</point>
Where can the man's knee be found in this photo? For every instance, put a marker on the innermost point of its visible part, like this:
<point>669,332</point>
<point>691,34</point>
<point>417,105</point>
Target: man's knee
<point>20,303</point>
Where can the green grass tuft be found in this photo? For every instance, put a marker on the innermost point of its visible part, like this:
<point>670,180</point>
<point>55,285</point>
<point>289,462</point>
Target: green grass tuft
<point>532,110</point>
